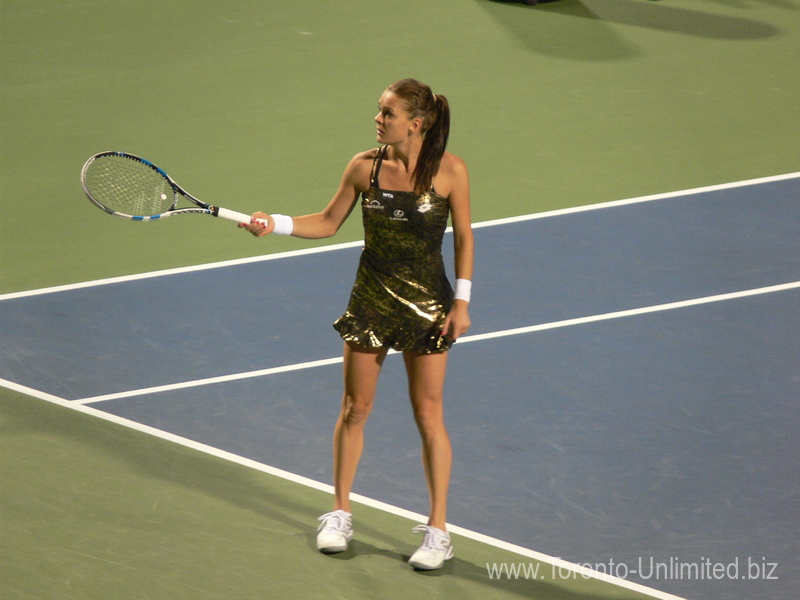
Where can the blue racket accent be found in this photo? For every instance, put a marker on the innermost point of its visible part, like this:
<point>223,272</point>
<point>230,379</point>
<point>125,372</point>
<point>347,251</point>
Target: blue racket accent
<point>157,168</point>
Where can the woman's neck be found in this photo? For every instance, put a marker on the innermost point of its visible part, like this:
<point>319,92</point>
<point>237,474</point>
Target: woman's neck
<point>406,153</point>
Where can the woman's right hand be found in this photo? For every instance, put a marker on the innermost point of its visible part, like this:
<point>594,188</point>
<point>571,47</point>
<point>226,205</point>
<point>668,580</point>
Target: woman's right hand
<point>260,224</point>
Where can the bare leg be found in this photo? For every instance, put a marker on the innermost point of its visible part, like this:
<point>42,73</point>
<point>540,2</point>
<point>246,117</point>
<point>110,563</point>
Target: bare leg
<point>361,369</point>
<point>426,374</point>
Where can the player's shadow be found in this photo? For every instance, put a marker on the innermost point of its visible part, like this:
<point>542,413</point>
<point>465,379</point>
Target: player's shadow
<point>567,586</point>
<point>591,37</point>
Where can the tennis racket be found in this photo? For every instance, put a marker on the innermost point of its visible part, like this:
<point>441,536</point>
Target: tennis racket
<point>133,188</point>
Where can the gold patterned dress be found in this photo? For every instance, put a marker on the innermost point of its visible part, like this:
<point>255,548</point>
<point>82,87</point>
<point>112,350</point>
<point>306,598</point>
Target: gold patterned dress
<point>401,294</point>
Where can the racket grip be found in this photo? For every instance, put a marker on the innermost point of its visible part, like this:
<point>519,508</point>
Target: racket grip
<point>231,215</point>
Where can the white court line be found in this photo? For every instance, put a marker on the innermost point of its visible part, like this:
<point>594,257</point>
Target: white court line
<point>556,563</point>
<point>210,380</point>
<point>466,339</point>
<point>635,311</point>
<point>355,244</point>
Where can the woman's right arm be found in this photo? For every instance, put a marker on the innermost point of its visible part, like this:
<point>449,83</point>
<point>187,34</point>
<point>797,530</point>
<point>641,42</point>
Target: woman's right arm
<point>327,222</point>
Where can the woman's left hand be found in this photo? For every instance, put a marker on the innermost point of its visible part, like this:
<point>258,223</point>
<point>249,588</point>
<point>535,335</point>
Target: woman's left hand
<point>457,322</point>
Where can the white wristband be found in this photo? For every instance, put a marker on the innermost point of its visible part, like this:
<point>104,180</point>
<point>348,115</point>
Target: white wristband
<point>463,289</point>
<point>283,224</point>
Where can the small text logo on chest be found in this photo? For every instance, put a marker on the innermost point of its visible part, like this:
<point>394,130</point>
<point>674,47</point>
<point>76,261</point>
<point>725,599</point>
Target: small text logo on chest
<point>399,215</point>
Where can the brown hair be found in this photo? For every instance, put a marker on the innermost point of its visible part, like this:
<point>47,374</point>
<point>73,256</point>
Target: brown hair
<point>434,111</point>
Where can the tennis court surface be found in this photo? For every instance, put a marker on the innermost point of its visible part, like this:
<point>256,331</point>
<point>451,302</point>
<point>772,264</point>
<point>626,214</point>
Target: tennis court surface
<point>626,400</point>
<point>604,421</point>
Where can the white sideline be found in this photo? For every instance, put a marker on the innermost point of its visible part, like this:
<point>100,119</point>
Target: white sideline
<point>463,340</point>
<point>557,563</point>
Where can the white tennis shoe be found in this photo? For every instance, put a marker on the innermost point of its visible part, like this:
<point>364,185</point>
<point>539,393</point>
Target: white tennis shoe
<point>434,551</point>
<point>335,532</point>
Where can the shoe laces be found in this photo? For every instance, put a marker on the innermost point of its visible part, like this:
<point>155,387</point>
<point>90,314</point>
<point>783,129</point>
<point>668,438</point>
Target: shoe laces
<point>337,520</point>
<point>435,539</point>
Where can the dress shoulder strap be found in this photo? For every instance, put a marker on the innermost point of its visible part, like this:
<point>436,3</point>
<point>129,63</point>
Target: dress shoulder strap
<point>376,166</point>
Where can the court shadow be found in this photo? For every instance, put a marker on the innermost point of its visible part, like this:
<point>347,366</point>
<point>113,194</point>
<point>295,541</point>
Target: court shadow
<point>590,36</point>
<point>748,3</point>
<point>585,38</point>
<point>156,460</point>
<point>459,573</point>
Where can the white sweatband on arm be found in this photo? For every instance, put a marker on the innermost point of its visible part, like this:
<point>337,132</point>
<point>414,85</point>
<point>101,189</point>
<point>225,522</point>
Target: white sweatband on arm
<point>283,224</point>
<point>463,289</point>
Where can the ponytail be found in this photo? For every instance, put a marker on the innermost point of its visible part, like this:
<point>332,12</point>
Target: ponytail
<point>434,110</point>
<point>434,142</point>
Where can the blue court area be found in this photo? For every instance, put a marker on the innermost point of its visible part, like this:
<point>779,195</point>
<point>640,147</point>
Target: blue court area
<point>666,434</point>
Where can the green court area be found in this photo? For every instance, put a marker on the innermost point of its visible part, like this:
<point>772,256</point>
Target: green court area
<point>97,511</point>
<point>259,105</point>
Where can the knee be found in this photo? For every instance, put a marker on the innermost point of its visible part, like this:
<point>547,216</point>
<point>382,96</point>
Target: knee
<point>429,415</point>
<point>355,410</point>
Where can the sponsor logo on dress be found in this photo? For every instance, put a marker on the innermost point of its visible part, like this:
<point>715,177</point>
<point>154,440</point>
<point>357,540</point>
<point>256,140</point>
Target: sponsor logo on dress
<point>374,205</point>
<point>388,195</point>
<point>425,203</point>
<point>399,215</point>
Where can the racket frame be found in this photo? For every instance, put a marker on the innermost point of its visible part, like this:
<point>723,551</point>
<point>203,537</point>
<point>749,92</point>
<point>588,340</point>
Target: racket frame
<point>177,191</point>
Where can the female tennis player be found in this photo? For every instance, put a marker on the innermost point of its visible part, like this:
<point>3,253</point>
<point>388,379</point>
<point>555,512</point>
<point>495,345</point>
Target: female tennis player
<point>401,298</point>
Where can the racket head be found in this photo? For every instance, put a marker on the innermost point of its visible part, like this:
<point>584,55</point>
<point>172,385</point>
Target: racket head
<point>128,186</point>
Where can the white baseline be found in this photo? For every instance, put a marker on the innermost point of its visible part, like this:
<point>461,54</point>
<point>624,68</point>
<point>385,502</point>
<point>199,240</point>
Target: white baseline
<point>357,243</point>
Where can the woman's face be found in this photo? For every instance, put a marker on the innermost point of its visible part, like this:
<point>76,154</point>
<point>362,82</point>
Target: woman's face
<point>394,123</point>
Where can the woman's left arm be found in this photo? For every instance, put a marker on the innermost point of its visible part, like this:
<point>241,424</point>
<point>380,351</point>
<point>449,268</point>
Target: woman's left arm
<point>458,322</point>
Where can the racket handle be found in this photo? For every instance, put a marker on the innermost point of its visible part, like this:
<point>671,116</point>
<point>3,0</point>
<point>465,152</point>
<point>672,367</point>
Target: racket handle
<point>231,215</point>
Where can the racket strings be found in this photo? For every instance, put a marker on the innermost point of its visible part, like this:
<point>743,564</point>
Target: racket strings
<point>129,186</point>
